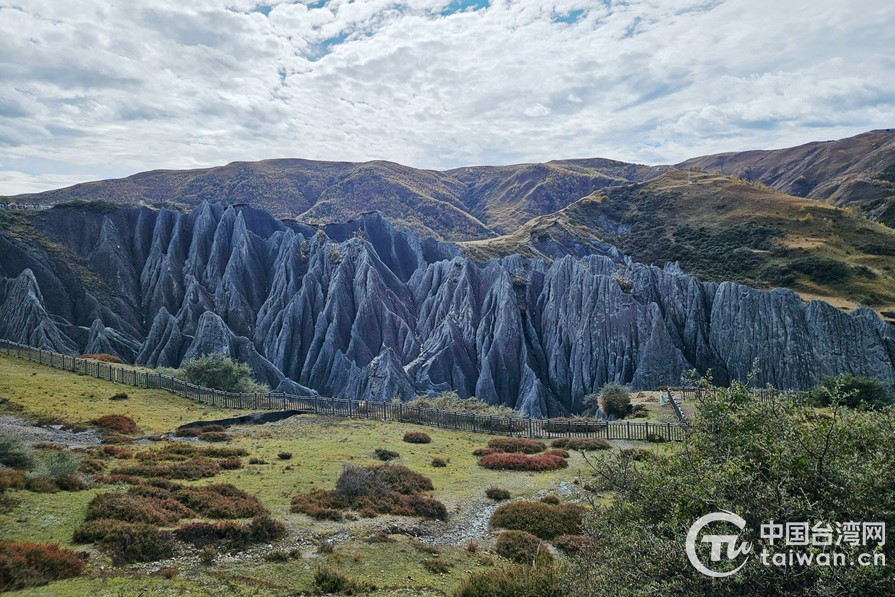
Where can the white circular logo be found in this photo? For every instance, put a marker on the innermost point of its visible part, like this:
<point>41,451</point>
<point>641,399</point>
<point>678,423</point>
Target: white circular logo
<point>731,554</point>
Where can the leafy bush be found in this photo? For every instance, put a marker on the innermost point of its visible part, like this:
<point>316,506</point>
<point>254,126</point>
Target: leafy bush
<point>655,438</point>
<point>15,454</point>
<point>581,443</point>
<point>517,444</point>
<point>450,401</point>
<point>542,520</point>
<point>520,546</point>
<point>541,579</point>
<point>636,454</point>
<point>523,462</point>
<point>118,423</point>
<point>58,464</point>
<point>220,372</point>
<point>615,400</point>
<point>498,494</point>
<point>417,437</point>
<point>385,455</point>
<point>25,565</point>
<point>851,391</point>
<point>127,542</point>
<point>439,462</point>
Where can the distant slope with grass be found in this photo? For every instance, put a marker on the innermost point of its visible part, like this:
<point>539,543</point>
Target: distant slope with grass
<point>722,228</point>
<point>855,172</point>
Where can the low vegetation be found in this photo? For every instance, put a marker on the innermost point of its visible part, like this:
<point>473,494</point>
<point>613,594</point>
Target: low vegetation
<point>116,423</point>
<point>520,546</point>
<point>219,372</point>
<point>417,437</point>
<point>852,391</point>
<point>581,443</point>
<point>542,520</point>
<point>522,462</point>
<point>25,565</point>
<point>517,445</point>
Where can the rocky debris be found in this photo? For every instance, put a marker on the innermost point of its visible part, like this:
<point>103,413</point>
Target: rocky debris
<point>30,433</point>
<point>362,310</point>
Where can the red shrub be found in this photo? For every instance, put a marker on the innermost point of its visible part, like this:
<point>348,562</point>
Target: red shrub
<point>127,542</point>
<point>523,462</point>
<point>234,535</point>
<point>117,423</point>
<point>117,452</point>
<point>557,452</point>
<point>517,444</point>
<point>192,469</point>
<point>130,507</point>
<point>220,501</point>
<point>230,464</point>
<point>214,436</point>
<point>571,543</point>
<point>417,437</point>
<point>30,564</point>
<point>11,478</point>
<point>485,451</point>
<point>188,432</point>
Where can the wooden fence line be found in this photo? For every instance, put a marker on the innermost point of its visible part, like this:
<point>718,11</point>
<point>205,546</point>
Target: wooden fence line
<point>516,426</point>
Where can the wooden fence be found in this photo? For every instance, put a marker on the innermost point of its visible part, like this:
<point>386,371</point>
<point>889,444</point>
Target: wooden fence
<point>517,426</point>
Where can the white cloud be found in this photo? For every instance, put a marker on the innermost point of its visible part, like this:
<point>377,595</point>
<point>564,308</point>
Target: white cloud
<point>96,88</point>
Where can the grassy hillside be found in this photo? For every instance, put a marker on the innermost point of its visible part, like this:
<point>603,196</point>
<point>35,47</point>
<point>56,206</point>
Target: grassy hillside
<point>722,228</point>
<point>380,551</point>
<point>858,171</point>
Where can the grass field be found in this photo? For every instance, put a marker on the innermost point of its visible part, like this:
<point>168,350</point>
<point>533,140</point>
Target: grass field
<point>319,446</point>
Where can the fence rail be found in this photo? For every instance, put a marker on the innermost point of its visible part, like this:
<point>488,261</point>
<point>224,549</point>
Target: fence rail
<point>517,426</point>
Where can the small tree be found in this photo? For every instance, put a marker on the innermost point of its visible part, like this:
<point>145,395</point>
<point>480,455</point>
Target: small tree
<point>220,372</point>
<point>851,391</point>
<point>615,400</point>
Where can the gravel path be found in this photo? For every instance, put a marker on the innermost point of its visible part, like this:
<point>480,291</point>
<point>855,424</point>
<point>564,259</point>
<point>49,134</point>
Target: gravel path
<point>34,434</point>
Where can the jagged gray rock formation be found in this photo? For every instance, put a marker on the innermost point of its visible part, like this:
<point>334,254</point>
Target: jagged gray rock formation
<point>364,311</point>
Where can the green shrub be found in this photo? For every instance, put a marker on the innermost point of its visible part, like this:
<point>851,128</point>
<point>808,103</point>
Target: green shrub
<point>851,391</point>
<point>329,582</point>
<point>541,579</point>
<point>437,565</point>
<point>517,445</point>
<point>58,464</point>
<point>15,454</point>
<point>542,520</point>
<point>25,565</point>
<point>581,443</point>
<point>497,494</point>
<point>520,546</point>
<point>219,372</point>
<point>615,400</point>
<point>417,437</point>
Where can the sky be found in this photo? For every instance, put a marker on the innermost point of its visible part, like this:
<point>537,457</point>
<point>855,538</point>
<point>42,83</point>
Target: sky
<point>93,89</point>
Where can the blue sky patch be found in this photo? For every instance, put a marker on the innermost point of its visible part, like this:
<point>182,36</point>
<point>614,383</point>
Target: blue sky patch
<point>464,5</point>
<point>570,18</point>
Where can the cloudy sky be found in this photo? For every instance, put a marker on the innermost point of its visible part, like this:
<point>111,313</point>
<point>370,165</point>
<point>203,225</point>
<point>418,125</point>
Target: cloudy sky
<point>104,88</point>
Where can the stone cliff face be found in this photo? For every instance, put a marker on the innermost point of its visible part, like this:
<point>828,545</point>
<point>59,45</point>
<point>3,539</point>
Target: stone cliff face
<point>365,311</point>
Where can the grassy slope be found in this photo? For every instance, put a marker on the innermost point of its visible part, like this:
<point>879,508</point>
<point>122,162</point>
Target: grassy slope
<point>721,228</point>
<point>320,446</point>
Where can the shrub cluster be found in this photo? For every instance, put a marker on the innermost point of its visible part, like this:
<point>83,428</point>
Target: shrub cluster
<point>581,443</point>
<point>191,469</point>
<point>615,400</point>
<point>517,445</point>
<point>15,454</point>
<point>232,535</point>
<point>571,544</point>
<point>543,578</point>
<point>417,437</point>
<point>103,356</point>
<point>523,462</point>
<point>127,542</point>
<point>116,423</point>
<point>437,565</point>
<point>636,454</point>
<point>25,565</point>
<point>498,494</point>
<point>330,582</point>
<point>851,391</point>
<point>520,546</point>
<point>385,455</point>
<point>383,489</point>
<point>563,425</point>
<point>439,462</point>
<point>220,372</point>
<point>542,520</point>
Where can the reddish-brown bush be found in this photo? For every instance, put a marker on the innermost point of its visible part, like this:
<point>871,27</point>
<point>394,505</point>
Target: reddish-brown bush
<point>230,464</point>
<point>188,432</point>
<point>11,479</point>
<point>542,520</point>
<point>571,543</point>
<point>520,546</point>
<point>117,452</point>
<point>233,535</point>
<point>215,436</point>
<point>213,428</point>
<point>439,462</point>
<point>131,507</point>
<point>117,423</point>
<point>550,499</point>
<point>103,356</point>
<point>324,513</point>
<point>192,469</point>
<point>91,466</point>
<point>220,500</point>
<point>517,445</point>
<point>523,462</point>
<point>112,437</point>
<point>30,564</point>
<point>127,542</point>
<point>557,452</point>
<point>581,443</point>
<point>417,437</point>
<point>485,451</point>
